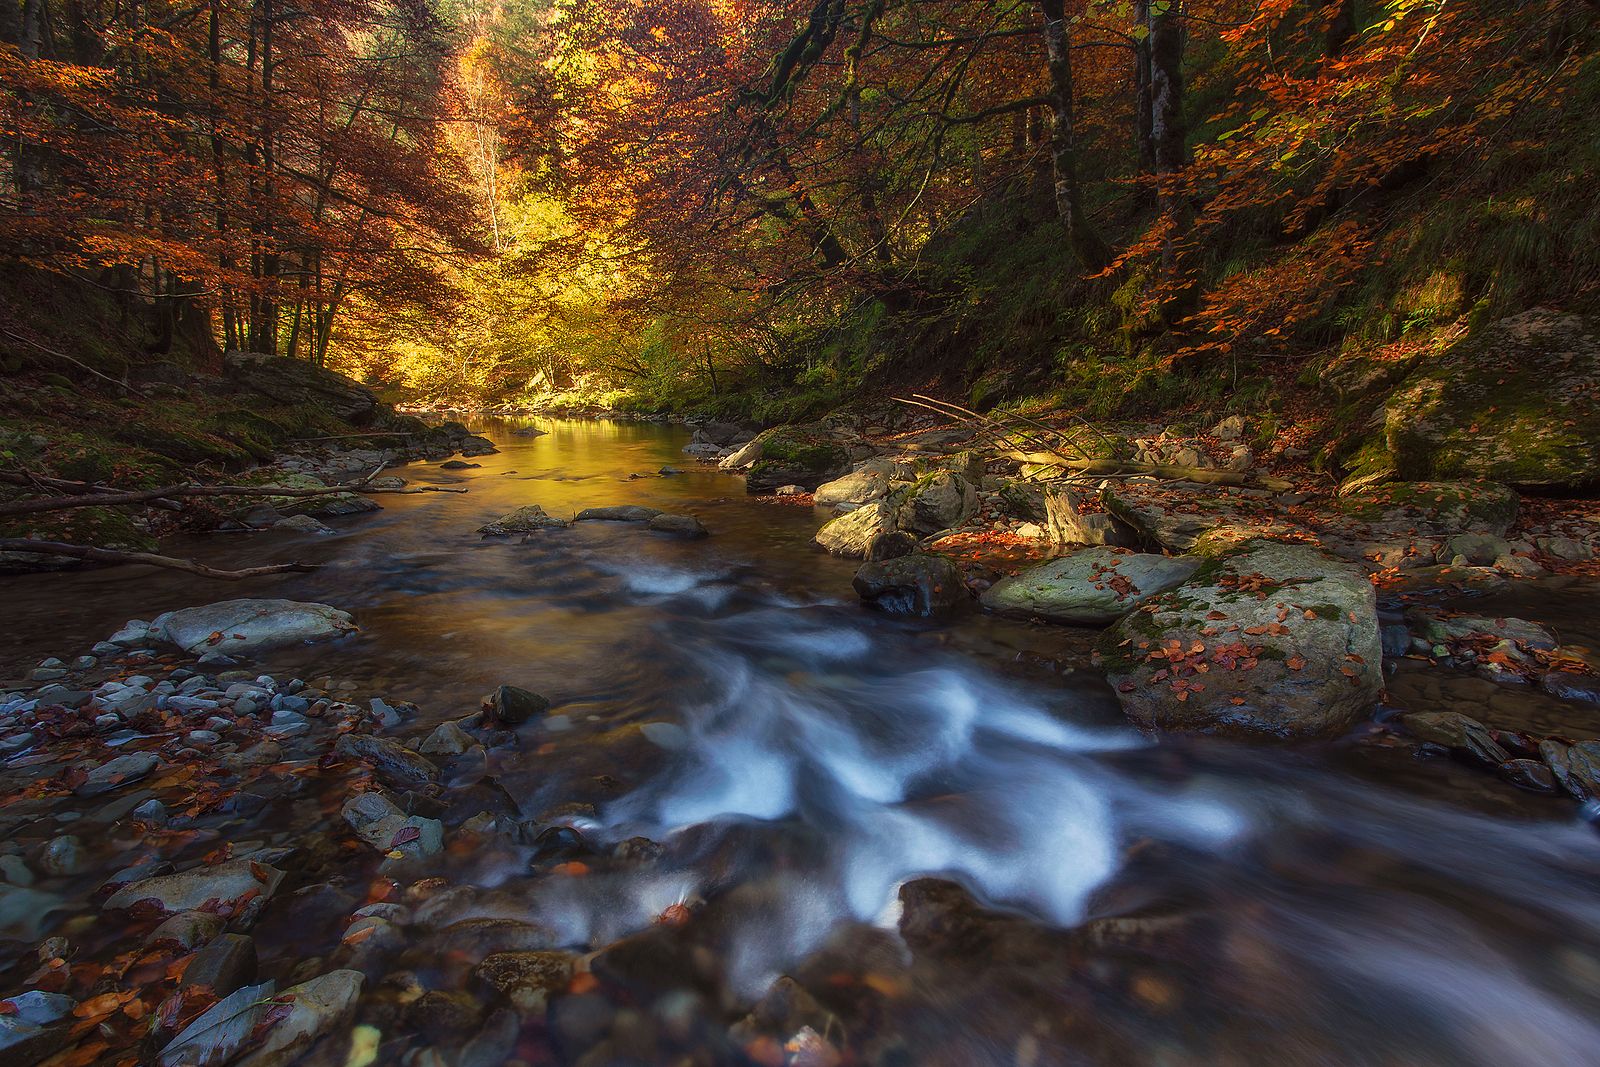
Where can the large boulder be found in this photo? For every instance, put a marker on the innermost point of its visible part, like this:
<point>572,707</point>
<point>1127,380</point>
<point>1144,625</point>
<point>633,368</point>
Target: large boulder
<point>1275,640</point>
<point>243,626</point>
<point>806,456</point>
<point>870,532</point>
<point>1515,402</point>
<point>1432,509</point>
<point>919,584</point>
<point>1090,588</point>
<point>301,383</point>
<point>940,501</point>
<point>1070,522</point>
<point>870,482</point>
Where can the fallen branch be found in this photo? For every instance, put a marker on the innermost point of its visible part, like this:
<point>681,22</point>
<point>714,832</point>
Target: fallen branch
<point>1124,467</point>
<point>151,559</point>
<point>94,496</point>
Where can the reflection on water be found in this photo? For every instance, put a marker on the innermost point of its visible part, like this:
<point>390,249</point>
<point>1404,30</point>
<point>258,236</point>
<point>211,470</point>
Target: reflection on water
<point>800,760</point>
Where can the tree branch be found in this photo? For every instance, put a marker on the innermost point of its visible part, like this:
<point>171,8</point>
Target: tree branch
<point>109,555</point>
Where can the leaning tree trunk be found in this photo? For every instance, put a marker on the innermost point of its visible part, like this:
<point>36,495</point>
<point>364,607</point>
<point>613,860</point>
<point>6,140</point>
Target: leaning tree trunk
<point>1086,245</point>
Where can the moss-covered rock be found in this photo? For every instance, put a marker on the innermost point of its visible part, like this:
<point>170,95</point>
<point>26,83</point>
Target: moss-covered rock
<point>1270,640</point>
<point>806,456</point>
<point>1089,588</point>
<point>1518,402</point>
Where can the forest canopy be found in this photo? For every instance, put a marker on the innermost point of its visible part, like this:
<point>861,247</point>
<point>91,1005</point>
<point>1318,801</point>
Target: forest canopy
<point>757,207</point>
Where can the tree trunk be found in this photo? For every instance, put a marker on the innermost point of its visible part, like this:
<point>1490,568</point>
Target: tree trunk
<point>1086,245</point>
<point>1143,97</point>
<point>1169,139</point>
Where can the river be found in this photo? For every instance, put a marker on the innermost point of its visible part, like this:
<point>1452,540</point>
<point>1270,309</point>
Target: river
<point>1187,902</point>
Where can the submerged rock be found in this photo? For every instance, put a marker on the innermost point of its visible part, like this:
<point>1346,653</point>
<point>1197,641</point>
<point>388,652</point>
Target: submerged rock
<point>315,1008</point>
<point>1286,635</point>
<point>390,761</point>
<point>244,626</point>
<point>1457,732</point>
<point>526,979</point>
<point>679,525</point>
<point>619,513</point>
<point>920,584</point>
<point>225,883</point>
<point>1090,588</point>
<point>512,705</point>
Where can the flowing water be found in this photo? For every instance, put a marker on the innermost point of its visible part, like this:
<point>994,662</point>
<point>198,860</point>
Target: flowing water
<point>800,760</point>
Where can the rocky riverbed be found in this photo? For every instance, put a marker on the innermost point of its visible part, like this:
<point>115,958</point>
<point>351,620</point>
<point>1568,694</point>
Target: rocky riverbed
<point>744,822</point>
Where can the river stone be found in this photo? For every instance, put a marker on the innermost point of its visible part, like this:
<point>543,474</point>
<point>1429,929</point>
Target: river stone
<point>316,1007</point>
<point>619,513</point>
<point>919,584</point>
<point>747,455</point>
<point>391,762</point>
<point>512,705</point>
<point>1090,588</point>
<point>526,979</point>
<point>1513,402</point>
<point>187,930</point>
<point>117,772</point>
<point>854,534</point>
<point>224,882</point>
<point>524,520</point>
<point>248,626</point>
<point>863,486</point>
<point>1431,509</point>
<point>447,739</point>
<point>376,820</point>
<point>1576,767</point>
<point>1456,732</point>
<point>941,501</point>
<point>1479,550</point>
<point>679,525</point>
<point>223,965</point>
<point>1067,523</point>
<point>1288,636</point>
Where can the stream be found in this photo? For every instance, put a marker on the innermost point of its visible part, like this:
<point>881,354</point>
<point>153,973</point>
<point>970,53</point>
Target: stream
<point>1185,902</point>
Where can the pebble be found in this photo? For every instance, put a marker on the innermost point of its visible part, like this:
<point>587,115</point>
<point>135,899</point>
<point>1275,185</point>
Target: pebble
<point>204,738</point>
<point>62,856</point>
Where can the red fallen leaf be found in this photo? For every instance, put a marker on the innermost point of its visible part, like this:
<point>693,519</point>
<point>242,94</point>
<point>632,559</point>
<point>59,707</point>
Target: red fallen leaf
<point>280,1010</point>
<point>583,982</point>
<point>214,638</point>
<point>258,872</point>
<point>1236,700</point>
<point>1294,663</point>
<point>7,1008</point>
<point>403,836</point>
<point>1127,687</point>
<point>675,915</point>
<point>1216,616</point>
<point>572,868</point>
<point>1182,695</point>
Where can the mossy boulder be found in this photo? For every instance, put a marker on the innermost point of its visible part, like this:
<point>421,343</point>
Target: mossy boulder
<point>1436,509</point>
<point>300,382</point>
<point>806,456</point>
<point>920,584</point>
<point>1518,402</point>
<point>1272,640</point>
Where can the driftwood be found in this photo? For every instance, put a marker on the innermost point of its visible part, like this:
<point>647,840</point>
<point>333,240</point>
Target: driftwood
<point>109,555</point>
<point>92,496</point>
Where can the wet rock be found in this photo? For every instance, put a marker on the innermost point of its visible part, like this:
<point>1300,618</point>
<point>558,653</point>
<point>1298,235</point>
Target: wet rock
<point>1576,767</point>
<point>855,534</point>
<point>512,705</point>
<point>247,626</point>
<point>390,761</point>
<point>377,821</point>
<point>442,1016</point>
<point>447,739</point>
<point>118,772</point>
<point>920,584</point>
<point>225,964</point>
<point>679,525</point>
<point>61,856</point>
<point>1529,774</point>
<point>317,1007</point>
<point>527,979</point>
<point>1093,587</point>
<point>1583,688</point>
<point>1452,730</point>
<point>305,524</point>
<point>796,455</point>
<point>1440,629</point>
<point>620,513</point>
<point>187,930</point>
<point>746,456</point>
<point>1564,548</point>
<point>524,520</point>
<point>941,501</point>
<point>1288,637</point>
<point>458,465</point>
<point>495,1044</point>
<point>784,1009</point>
<point>480,938</point>
<point>556,844</point>
<point>226,883</point>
